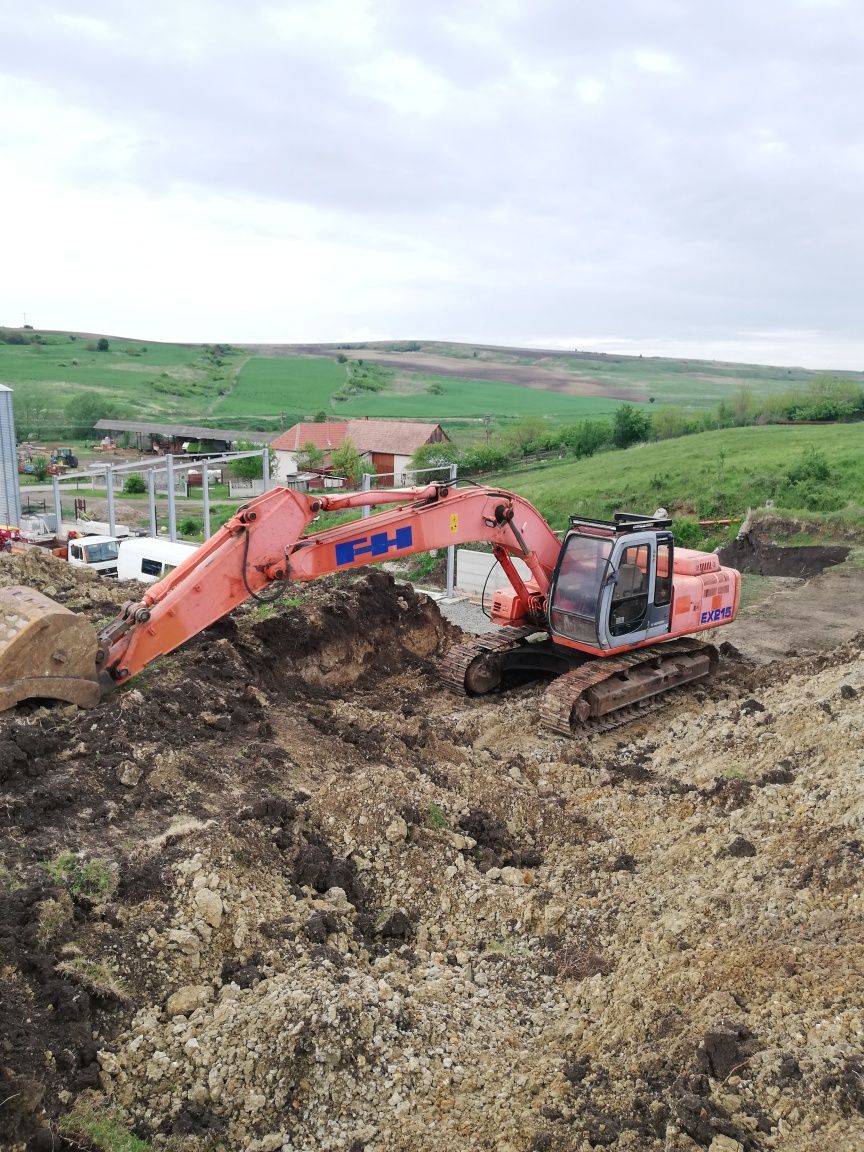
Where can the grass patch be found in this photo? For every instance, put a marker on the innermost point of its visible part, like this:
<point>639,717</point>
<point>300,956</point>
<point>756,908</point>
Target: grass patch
<point>436,817</point>
<point>708,475</point>
<point>93,879</point>
<point>53,917</point>
<point>97,976</point>
<point>8,880</point>
<point>102,1128</point>
<point>256,612</point>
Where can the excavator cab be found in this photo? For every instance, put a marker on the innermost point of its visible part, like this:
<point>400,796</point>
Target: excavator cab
<point>612,587</point>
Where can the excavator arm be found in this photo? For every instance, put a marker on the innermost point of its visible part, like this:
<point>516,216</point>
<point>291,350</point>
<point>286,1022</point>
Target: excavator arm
<point>264,545</point>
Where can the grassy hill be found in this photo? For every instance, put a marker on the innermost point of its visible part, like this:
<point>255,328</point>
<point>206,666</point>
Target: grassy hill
<point>809,470</point>
<point>267,386</point>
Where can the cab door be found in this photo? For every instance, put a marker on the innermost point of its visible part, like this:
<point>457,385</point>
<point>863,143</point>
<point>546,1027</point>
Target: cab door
<point>637,598</point>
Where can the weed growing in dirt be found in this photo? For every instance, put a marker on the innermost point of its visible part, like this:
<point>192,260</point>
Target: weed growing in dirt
<point>102,1129</point>
<point>97,976</point>
<point>54,915</point>
<point>8,882</point>
<point>507,946</point>
<point>734,774</point>
<point>265,611</point>
<point>93,879</point>
<point>436,817</point>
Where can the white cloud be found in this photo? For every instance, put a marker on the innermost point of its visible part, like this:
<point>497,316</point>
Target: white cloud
<point>657,63</point>
<point>296,171</point>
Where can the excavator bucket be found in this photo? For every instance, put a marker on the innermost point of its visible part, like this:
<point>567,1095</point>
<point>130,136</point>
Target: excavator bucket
<point>46,651</point>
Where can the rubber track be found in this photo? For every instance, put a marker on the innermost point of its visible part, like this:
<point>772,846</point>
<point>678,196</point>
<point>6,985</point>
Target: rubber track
<point>455,664</point>
<point>562,693</point>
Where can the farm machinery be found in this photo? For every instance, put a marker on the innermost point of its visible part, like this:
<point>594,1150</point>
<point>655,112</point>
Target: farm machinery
<point>609,614</point>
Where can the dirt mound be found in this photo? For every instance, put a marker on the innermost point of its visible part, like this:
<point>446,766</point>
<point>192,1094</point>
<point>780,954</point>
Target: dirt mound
<point>78,589</point>
<point>285,892</point>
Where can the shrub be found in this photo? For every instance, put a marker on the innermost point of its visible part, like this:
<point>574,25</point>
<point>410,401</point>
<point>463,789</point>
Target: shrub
<point>629,426</point>
<point>191,526</point>
<point>102,344</point>
<point>134,484</point>
<point>41,465</point>
<point>811,466</point>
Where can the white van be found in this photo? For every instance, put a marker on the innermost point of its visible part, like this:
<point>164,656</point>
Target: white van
<point>148,559</point>
<point>96,552</point>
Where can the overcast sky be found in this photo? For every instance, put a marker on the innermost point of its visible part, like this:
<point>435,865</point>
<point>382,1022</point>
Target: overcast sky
<point>658,176</point>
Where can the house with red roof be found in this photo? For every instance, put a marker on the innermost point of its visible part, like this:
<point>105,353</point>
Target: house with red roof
<point>385,446</point>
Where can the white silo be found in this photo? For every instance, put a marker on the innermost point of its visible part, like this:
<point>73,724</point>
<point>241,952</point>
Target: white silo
<point>10,497</point>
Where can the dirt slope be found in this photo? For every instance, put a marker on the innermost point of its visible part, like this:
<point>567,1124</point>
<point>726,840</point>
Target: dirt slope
<point>311,900</point>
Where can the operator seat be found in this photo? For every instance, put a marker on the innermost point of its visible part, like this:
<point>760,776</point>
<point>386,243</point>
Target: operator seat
<point>631,582</point>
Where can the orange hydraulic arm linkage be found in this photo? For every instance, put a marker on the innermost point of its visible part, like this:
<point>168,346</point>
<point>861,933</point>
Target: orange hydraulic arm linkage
<point>264,543</point>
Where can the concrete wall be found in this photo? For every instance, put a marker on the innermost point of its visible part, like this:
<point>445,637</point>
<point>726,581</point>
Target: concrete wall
<point>472,568</point>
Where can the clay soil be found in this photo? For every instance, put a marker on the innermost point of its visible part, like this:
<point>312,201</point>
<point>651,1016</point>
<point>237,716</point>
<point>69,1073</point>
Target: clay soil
<point>285,891</point>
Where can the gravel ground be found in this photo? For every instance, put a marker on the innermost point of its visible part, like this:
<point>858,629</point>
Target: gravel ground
<point>467,616</point>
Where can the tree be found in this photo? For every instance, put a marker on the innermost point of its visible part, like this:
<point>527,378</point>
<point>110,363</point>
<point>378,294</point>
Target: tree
<point>586,437</point>
<point>251,467</point>
<point>629,426</point>
<point>529,435</point>
<point>85,410</point>
<point>310,457</point>
<point>32,406</point>
<point>320,417</point>
<point>345,461</point>
<point>102,344</point>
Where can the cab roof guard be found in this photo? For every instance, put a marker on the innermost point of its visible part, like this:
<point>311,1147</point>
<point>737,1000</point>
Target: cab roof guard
<point>622,523</point>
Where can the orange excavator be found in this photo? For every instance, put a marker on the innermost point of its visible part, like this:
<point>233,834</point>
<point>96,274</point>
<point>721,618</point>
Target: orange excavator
<point>608,614</point>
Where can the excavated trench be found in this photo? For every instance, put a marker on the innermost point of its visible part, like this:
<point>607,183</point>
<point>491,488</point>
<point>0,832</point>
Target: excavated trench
<point>286,892</point>
<point>756,556</point>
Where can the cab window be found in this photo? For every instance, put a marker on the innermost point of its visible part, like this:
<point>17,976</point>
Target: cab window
<point>663,578</point>
<point>581,572</point>
<point>630,597</point>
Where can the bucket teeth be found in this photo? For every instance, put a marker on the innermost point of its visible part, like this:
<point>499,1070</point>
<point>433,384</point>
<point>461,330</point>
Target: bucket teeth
<point>46,651</point>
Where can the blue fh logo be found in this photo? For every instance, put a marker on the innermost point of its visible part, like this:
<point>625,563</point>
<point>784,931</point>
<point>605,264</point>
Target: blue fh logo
<point>375,545</point>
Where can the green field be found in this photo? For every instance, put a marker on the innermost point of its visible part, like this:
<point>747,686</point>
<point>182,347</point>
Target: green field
<point>456,398</point>
<point>709,475</point>
<point>140,381</point>
<point>295,387</point>
<point>245,388</point>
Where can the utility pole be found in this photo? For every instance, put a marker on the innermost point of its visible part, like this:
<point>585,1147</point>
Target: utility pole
<point>487,420</point>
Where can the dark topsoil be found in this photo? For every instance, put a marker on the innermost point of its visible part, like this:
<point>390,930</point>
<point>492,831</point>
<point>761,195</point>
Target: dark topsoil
<point>60,791</point>
<point>752,554</point>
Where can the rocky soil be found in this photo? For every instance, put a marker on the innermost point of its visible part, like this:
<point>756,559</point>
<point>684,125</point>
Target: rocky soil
<point>286,892</point>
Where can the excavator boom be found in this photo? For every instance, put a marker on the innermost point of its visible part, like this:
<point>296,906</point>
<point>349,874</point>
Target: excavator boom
<point>48,652</point>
